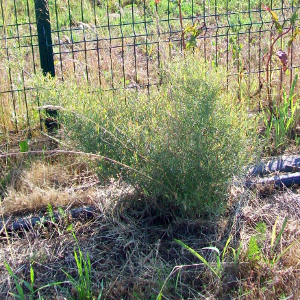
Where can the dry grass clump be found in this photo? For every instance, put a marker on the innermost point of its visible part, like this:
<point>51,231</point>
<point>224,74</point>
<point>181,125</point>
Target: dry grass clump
<point>41,184</point>
<point>35,195</point>
<point>58,180</point>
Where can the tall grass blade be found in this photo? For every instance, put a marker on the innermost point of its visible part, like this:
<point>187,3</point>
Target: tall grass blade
<point>284,251</point>
<point>293,87</point>
<point>226,247</point>
<point>196,254</point>
<point>31,276</point>
<point>16,279</point>
<point>280,234</point>
<point>273,236</point>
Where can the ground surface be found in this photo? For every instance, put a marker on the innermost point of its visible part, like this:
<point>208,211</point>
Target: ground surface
<point>130,241</point>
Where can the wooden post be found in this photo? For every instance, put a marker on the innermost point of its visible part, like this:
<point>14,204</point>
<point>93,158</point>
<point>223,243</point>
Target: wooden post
<point>44,36</point>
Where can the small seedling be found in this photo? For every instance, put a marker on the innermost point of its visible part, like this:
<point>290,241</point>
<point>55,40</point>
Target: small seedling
<point>83,284</point>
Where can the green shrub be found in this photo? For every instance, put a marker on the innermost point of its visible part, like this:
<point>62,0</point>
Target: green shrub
<point>185,140</point>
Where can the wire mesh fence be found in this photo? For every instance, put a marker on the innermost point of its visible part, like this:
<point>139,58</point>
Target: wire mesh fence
<point>124,44</point>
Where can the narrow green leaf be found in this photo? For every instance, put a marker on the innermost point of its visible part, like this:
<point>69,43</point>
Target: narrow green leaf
<point>17,296</point>
<point>69,276</point>
<point>102,288</point>
<point>273,236</point>
<point>284,251</point>
<point>28,285</point>
<point>293,18</point>
<point>293,87</point>
<point>239,250</point>
<point>20,291</point>
<point>16,279</point>
<point>31,275</point>
<point>196,254</point>
<point>70,227</point>
<point>50,285</point>
<point>212,248</point>
<point>278,27</point>
<point>225,247</point>
<point>280,233</point>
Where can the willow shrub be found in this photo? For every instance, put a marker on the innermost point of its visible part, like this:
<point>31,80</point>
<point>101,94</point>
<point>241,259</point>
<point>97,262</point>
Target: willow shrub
<point>182,144</point>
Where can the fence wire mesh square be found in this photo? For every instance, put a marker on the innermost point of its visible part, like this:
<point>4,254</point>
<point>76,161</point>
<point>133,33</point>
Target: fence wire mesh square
<point>123,44</point>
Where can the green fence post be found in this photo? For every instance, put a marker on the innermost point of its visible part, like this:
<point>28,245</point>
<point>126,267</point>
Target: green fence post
<point>44,36</point>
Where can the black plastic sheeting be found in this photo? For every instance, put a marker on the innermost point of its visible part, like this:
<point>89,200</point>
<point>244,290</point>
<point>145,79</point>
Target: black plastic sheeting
<point>287,180</point>
<point>279,164</point>
<point>7,226</point>
<point>282,171</point>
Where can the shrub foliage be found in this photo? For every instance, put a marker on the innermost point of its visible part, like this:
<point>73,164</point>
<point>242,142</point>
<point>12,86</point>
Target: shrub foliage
<point>185,140</point>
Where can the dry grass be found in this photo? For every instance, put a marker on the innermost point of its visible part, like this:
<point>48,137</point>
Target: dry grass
<point>60,180</point>
<point>259,279</point>
<point>131,242</point>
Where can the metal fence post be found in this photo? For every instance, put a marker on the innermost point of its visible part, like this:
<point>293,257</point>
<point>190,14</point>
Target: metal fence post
<point>44,36</point>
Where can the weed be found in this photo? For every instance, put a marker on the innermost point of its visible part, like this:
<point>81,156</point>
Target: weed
<point>255,251</point>
<point>283,56</point>
<point>220,256</point>
<point>284,118</point>
<point>30,286</point>
<point>50,213</point>
<point>24,146</point>
<point>83,284</point>
<point>215,267</point>
<point>236,255</point>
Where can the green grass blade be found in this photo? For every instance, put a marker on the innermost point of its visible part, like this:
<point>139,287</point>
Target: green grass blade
<point>31,276</point>
<point>212,248</point>
<point>16,279</point>
<point>49,285</point>
<point>280,234</point>
<point>284,251</point>
<point>293,87</point>
<point>72,279</point>
<point>273,236</point>
<point>239,251</point>
<point>17,296</point>
<point>196,254</point>
<point>29,286</point>
<point>78,263</point>
<point>20,290</point>
<point>226,247</point>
